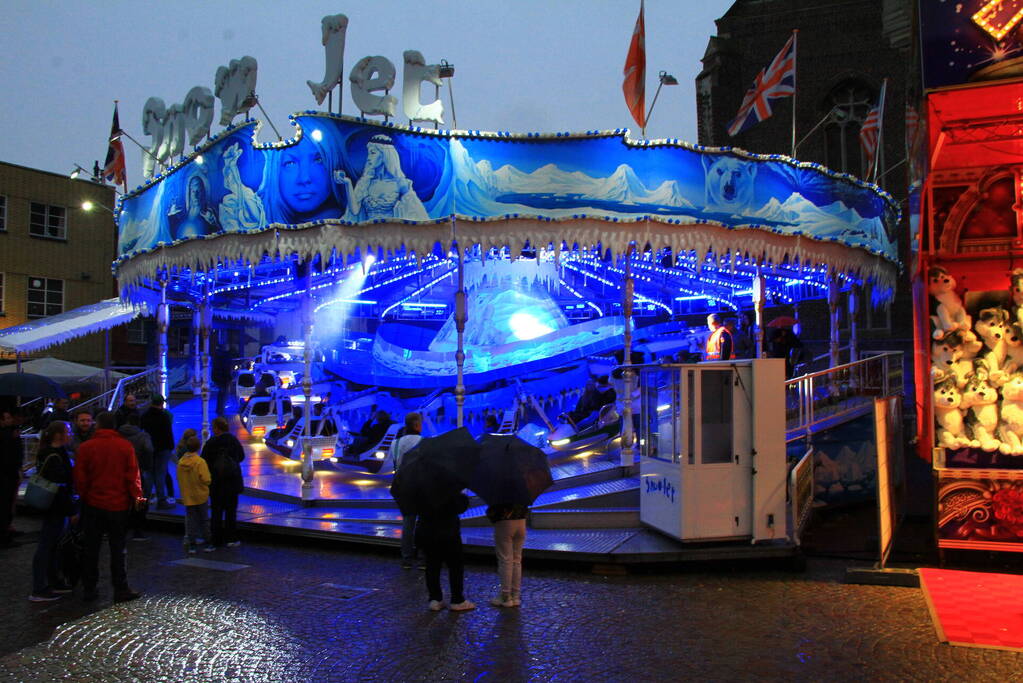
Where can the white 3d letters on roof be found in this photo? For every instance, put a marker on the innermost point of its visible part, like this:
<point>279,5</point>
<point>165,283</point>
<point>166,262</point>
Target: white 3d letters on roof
<point>153,114</point>
<point>417,71</point>
<point>174,131</point>
<point>198,113</point>
<point>236,88</point>
<point>372,74</point>
<point>334,29</point>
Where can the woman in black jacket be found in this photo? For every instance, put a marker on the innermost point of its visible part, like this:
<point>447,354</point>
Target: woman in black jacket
<point>53,462</point>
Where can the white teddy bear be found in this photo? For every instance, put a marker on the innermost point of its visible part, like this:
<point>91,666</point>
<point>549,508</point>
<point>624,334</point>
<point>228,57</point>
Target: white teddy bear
<point>1014,349</point>
<point>1010,431</point>
<point>981,399</point>
<point>950,314</point>
<point>1016,289</point>
<point>993,327</point>
<point>948,416</point>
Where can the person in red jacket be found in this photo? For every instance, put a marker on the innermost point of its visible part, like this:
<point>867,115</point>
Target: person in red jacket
<point>106,476</point>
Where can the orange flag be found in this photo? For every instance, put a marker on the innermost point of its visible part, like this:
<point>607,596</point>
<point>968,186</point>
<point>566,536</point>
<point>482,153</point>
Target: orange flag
<point>635,72</point>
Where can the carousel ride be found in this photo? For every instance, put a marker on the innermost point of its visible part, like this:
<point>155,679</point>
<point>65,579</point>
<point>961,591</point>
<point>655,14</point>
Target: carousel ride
<point>471,275</point>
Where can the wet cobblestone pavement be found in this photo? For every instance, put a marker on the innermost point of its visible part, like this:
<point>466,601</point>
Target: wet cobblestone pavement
<point>326,613</point>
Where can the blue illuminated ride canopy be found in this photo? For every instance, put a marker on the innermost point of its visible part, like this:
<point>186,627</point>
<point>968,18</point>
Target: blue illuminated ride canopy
<point>349,174</point>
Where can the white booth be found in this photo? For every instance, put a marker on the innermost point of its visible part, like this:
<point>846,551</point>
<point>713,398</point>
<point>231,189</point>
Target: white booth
<point>712,437</point>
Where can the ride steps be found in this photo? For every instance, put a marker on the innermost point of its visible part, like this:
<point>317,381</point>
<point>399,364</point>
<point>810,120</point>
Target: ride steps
<point>586,518</point>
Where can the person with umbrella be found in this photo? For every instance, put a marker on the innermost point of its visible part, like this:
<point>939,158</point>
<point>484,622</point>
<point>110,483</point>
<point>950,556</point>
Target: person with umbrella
<point>510,475</point>
<point>401,446</point>
<point>428,483</point>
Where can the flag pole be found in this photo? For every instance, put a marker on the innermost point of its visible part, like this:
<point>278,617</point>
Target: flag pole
<point>878,154</point>
<point>124,176</point>
<point>795,73</point>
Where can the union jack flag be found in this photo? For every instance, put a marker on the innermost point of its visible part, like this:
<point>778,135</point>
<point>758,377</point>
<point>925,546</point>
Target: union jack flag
<point>778,80</point>
<point>113,167</point>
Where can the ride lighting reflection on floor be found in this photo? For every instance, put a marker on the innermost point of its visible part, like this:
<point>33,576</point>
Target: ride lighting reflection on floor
<point>364,482</point>
<point>584,454</point>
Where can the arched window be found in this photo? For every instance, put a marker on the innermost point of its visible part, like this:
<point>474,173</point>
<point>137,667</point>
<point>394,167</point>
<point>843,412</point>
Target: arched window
<point>847,105</point>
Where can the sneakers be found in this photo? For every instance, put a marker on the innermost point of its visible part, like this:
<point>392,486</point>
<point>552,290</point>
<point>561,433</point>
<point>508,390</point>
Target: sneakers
<point>209,548</point>
<point>406,565</point>
<point>43,596</point>
<point>125,594</point>
<point>234,544</point>
<point>436,605</point>
<point>463,606</point>
<point>140,537</point>
<point>502,600</point>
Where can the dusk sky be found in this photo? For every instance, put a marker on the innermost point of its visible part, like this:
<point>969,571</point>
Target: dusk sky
<point>529,65</point>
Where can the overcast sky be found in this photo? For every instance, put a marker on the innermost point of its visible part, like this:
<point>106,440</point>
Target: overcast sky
<point>522,65</point>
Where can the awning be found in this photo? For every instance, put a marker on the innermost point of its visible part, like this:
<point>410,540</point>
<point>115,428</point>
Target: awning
<point>57,329</point>
<point>61,371</point>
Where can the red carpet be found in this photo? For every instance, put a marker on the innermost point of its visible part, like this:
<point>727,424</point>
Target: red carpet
<point>975,609</point>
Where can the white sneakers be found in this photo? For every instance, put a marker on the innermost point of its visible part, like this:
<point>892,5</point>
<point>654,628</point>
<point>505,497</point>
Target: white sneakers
<point>463,606</point>
<point>436,605</point>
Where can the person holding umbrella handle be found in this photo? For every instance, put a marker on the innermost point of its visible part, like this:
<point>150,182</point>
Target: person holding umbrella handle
<point>509,536</point>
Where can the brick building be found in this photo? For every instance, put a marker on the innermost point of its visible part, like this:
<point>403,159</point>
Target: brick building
<point>846,48</point>
<point>54,257</point>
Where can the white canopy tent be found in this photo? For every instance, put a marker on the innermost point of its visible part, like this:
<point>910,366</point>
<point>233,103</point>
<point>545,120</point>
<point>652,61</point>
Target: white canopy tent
<point>57,329</point>
<point>62,371</point>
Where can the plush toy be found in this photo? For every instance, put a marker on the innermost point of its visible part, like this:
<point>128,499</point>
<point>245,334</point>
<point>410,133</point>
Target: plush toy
<point>950,314</point>
<point>993,328</point>
<point>948,416</point>
<point>981,399</point>
<point>1016,289</point>
<point>1010,431</point>
<point>1014,349</point>
<point>945,353</point>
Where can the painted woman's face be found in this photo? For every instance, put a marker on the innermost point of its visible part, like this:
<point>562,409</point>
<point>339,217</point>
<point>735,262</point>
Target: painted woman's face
<point>373,156</point>
<point>305,179</point>
<point>195,194</point>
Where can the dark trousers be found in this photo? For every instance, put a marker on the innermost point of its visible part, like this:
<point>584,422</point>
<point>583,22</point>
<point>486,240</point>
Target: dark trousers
<point>224,510</point>
<point>95,523</point>
<point>8,492</point>
<point>44,562</point>
<point>137,517</point>
<point>441,550</point>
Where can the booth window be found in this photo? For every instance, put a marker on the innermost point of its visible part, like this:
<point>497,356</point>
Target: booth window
<point>45,297</point>
<point>3,213</point>
<point>138,331</point>
<point>716,416</point>
<point>848,105</point>
<point>48,221</point>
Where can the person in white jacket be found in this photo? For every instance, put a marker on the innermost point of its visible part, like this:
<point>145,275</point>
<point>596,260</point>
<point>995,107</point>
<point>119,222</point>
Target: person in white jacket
<point>399,447</point>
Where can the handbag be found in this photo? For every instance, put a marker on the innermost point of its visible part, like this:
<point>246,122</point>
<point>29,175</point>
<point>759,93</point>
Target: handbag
<point>40,491</point>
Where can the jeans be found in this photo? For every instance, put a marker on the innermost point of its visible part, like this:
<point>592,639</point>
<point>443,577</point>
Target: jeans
<point>225,510</point>
<point>45,561</point>
<point>509,536</point>
<point>158,475</point>
<point>197,523</point>
<point>96,522</point>
<point>441,550</point>
<point>408,539</point>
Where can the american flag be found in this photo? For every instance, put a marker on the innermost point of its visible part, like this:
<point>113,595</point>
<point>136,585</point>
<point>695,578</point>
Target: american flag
<point>776,81</point>
<point>870,135</point>
<point>113,167</point>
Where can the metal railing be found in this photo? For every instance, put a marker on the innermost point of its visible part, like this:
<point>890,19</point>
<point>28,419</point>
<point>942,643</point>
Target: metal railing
<point>824,399</point>
<point>141,384</point>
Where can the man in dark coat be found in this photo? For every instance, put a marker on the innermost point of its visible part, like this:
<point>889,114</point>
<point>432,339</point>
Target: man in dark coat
<point>11,458</point>
<point>159,424</point>
<point>223,454</point>
<point>130,405</point>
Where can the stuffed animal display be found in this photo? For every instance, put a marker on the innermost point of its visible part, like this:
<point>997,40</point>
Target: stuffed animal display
<point>977,368</point>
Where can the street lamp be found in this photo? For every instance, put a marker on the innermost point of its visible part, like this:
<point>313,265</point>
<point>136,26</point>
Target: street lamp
<point>836,113</point>
<point>94,174</point>
<point>664,78</point>
<point>447,71</point>
<point>89,205</point>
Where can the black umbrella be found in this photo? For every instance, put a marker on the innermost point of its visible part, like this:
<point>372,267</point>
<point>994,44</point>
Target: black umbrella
<point>28,385</point>
<point>436,469</point>
<point>511,471</point>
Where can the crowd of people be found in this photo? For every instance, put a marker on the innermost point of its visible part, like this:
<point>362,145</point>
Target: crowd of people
<point>107,471</point>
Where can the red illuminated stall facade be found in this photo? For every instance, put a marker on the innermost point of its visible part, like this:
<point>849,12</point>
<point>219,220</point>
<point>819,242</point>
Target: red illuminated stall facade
<point>968,292</point>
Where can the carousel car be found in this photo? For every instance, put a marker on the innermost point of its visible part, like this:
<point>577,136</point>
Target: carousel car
<point>600,425</point>
<point>244,384</point>
<point>264,413</point>
<point>325,433</point>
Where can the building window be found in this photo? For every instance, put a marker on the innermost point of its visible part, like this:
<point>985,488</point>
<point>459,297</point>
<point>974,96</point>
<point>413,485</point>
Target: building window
<point>138,331</point>
<point>45,297</point>
<point>2,283</point>
<point>848,105</point>
<point>48,221</point>
<point>3,213</point>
